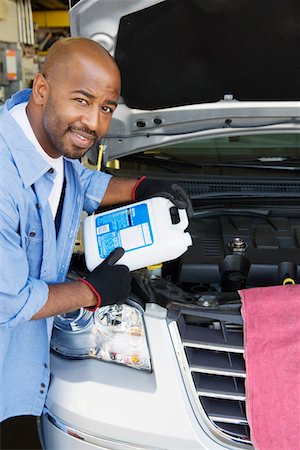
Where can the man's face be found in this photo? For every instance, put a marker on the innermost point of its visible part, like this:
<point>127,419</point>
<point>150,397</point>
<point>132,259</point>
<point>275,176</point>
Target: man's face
<point>78,110</point>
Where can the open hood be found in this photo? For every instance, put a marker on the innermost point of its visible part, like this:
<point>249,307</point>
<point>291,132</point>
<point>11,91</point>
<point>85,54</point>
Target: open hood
<point>196,66</point>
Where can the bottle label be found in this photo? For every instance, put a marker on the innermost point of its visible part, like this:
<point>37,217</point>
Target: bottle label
<point>129,228</point>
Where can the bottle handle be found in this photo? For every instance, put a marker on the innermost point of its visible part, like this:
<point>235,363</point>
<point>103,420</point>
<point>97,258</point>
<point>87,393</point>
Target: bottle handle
<point>183,218</point>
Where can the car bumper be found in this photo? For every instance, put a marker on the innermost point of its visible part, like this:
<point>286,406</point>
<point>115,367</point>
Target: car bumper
<point>94,404</point>
<point>54,433</point>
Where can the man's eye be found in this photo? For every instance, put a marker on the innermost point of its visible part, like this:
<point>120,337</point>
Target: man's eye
<point>107,109</point>
<point>82,101</point>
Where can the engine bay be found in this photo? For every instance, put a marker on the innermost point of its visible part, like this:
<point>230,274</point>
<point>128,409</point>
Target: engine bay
<point>238,250</point>
<point>232,249</point>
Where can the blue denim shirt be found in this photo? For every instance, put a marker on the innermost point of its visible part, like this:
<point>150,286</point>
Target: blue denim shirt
<point>31,257</point>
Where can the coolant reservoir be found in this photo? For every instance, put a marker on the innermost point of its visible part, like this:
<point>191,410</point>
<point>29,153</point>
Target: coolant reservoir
<point>151,231</point>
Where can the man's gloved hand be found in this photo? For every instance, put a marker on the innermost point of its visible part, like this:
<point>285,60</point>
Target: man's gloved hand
<point>110,283</point>
<point>147,188</point>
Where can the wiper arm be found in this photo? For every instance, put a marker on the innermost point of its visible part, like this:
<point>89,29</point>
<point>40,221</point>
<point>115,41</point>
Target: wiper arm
<point>267,162</point>
<point>255,166</point>
<point>258,163</point>
<point>157,160</point>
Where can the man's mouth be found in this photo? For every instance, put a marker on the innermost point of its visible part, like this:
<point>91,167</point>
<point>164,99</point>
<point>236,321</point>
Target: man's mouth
<point>81,138</point>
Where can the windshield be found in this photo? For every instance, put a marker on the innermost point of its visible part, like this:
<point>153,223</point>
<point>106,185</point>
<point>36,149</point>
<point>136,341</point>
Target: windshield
<point>194,155</point>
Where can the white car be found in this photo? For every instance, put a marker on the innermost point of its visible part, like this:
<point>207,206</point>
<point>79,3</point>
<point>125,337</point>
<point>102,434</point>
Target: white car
<point>210,100</point>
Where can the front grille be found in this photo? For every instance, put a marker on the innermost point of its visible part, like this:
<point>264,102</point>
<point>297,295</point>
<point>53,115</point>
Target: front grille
<point>212,343</point>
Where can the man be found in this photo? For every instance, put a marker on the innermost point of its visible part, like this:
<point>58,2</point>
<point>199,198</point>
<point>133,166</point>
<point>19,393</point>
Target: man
<point>44,188</point>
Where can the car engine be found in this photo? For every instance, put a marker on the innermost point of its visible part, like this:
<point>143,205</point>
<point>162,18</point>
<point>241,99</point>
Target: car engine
<point>235,251</point>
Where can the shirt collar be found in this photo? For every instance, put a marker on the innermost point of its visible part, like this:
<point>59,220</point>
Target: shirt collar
<point>30,164</point>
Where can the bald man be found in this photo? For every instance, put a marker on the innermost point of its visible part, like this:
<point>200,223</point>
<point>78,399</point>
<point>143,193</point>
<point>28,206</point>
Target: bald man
<point>44,188</point>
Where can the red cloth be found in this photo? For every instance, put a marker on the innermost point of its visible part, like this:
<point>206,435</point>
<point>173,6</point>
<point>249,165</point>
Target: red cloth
<point>272,355</point>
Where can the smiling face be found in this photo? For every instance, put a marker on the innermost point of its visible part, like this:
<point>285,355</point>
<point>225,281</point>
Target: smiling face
<point>72,103</point>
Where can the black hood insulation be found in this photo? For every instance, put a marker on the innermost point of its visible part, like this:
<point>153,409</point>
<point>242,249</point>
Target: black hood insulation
<point>182,52</point>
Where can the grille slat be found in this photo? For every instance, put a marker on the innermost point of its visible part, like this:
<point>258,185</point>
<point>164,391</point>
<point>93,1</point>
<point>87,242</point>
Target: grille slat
<point>214,353</point>
<point>219,387</point>
<point>226,419</point>
<point>221,395</point>
<point>239,430</point>
<point>219,363</point>
<point>227,411</point>
<point>208,338</point>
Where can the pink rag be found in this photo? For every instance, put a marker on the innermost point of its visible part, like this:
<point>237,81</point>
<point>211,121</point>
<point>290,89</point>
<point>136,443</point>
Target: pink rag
<point>272,355</point>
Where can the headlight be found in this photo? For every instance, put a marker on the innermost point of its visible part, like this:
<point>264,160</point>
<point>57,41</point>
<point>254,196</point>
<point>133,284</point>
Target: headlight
<point>112,333</point>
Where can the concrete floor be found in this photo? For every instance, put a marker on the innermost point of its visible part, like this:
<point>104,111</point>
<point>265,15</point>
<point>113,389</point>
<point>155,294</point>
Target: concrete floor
<point>19,433</point>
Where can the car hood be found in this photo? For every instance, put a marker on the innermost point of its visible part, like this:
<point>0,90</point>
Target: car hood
<point>197,68</point>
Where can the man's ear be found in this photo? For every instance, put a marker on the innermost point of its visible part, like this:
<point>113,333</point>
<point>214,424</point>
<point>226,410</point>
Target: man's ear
<point>40,89</point>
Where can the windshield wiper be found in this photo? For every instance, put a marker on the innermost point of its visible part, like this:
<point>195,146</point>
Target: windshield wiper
<point>269,163</point>
<point>158,159</point>
<point>245,165</point>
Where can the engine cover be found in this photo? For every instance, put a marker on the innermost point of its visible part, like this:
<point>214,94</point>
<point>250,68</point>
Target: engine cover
<point>237,251</point>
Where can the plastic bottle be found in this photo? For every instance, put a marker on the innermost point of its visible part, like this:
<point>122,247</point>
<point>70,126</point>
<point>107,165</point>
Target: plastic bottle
<point>150,231</point>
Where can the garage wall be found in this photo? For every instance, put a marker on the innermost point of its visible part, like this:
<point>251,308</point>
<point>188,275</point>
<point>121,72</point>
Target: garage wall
<point>8,21</point>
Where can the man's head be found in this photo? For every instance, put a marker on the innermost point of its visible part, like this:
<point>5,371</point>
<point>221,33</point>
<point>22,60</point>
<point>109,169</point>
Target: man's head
<point>74,97</point>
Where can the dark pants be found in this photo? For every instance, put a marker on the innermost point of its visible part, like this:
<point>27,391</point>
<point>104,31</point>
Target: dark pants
<point>19,433</point>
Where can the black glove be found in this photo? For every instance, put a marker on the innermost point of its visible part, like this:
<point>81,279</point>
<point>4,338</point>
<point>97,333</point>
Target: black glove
<point>147,188</point>
<point>111,284</point>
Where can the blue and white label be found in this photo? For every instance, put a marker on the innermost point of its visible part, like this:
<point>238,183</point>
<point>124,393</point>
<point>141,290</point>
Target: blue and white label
<point>129,228</point>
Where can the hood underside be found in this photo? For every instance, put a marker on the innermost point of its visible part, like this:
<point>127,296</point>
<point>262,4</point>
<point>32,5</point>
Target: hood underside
<point>176,52</point>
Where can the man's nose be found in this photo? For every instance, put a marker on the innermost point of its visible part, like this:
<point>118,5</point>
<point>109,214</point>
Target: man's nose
<point>92,119</point>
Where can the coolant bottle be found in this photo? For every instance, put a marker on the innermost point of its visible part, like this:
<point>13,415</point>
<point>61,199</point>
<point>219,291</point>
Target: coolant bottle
<point>151,231</point>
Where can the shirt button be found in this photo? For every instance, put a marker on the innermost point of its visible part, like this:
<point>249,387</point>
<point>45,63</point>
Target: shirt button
<point>41,391</point>
<point>46,366</point>
<point>32,233</point>
<point>43,385</point>
<point>51,170</point>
